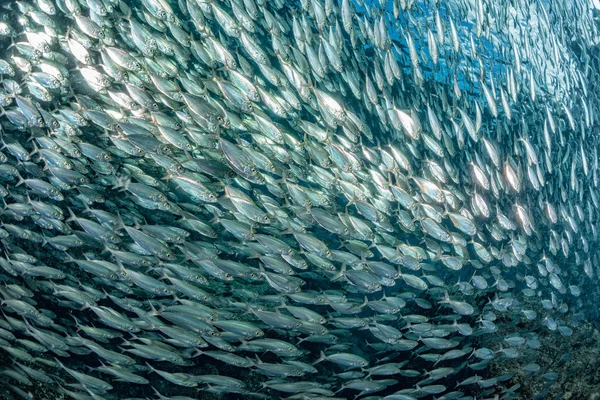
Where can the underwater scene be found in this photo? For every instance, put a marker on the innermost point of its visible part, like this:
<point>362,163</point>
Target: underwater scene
<point>305,199</point>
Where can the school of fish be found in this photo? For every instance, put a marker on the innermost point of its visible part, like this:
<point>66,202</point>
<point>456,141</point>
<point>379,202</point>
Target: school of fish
<point>294,199</point>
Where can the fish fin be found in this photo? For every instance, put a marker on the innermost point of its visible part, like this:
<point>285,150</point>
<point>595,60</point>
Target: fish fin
<point>322,357</point>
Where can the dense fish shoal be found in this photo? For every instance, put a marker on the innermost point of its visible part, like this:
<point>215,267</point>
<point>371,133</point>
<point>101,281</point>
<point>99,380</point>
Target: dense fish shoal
<point>298,199</point>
